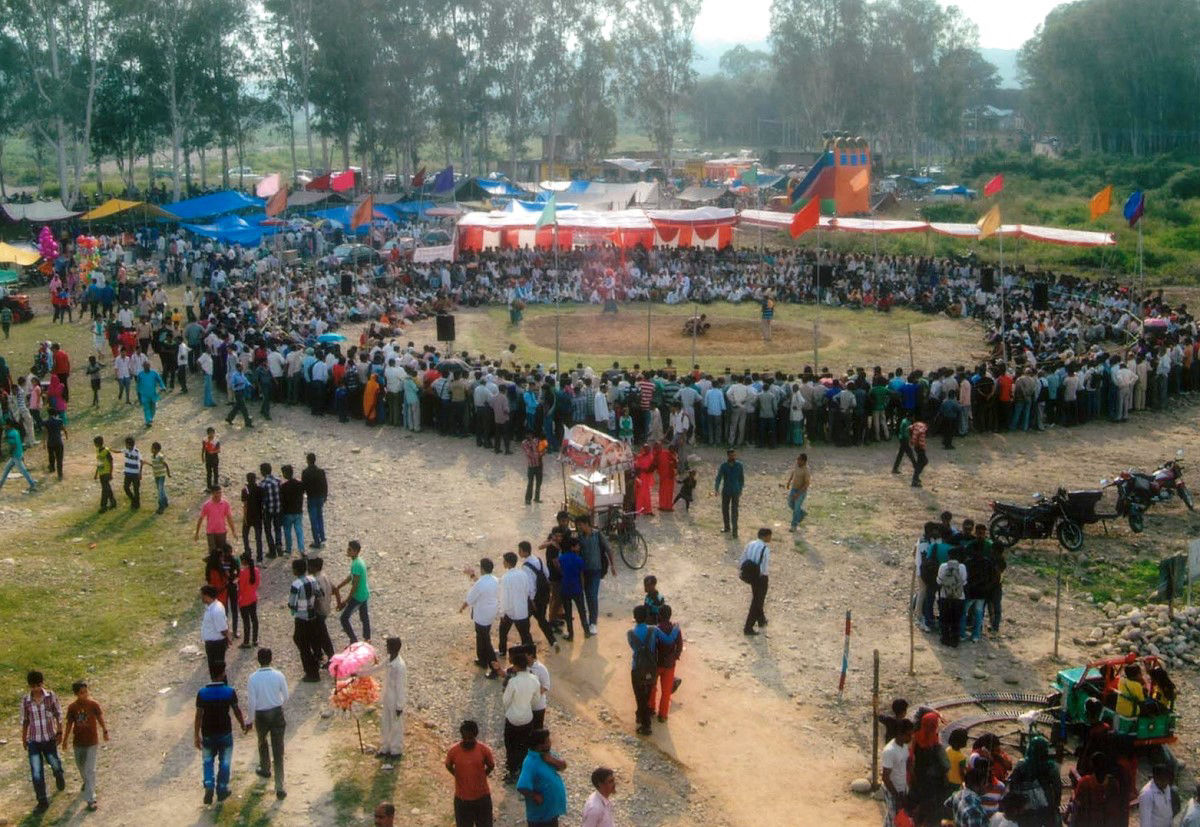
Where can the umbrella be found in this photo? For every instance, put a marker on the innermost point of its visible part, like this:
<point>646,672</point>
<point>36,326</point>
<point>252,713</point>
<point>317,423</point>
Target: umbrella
<point>331,337</point>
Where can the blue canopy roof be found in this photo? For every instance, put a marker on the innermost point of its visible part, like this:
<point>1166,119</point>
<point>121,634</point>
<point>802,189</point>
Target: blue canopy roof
<point>342,215</point>
<point>218,203</point>
<point>492,187</point>
<point>412,207</point>
<point>232,229</point>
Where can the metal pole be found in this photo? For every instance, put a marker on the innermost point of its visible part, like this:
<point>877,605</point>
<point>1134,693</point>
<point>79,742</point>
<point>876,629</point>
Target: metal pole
<point>1003,314</point>
<point>816,346</point>
<point>1141,271</point>
<point>1058,599</point>
<point>557,360</point>
<point>875,723</point>
<point>695,324</point>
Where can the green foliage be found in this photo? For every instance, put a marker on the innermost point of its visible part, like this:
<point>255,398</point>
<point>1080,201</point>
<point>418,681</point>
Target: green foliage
<point>1185,183</point>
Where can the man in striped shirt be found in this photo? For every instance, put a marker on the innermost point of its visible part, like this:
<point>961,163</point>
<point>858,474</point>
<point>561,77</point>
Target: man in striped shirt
<point>302,600</point>
<point>41,723</point>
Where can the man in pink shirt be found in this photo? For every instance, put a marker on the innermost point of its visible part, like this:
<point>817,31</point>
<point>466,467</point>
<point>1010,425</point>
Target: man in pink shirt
<point>598,811</point>
<point>216,514</point>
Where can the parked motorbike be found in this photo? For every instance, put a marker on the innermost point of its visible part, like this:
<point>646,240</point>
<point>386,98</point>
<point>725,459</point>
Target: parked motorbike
<point>1060,517</point>
<point>1137,491</point>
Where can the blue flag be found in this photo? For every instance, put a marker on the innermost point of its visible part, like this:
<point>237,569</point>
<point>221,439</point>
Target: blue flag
<point>1135,207</point>
<point>444,182</point>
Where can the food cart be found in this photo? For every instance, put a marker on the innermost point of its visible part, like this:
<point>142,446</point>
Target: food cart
<point>593,469</point>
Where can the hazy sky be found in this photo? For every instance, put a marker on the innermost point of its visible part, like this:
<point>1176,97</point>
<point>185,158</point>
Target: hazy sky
<point>1002,25</point>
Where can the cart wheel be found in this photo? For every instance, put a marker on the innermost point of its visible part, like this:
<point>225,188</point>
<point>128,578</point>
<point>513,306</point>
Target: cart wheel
<point>1137,521</point>
<point>1070,535</point>
<point>634,550</point>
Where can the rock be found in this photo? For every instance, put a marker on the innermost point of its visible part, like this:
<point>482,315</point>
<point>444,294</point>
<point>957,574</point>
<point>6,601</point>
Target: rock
<point>862,786</point>
<point>979,674</point>
<point>190,651</point>
<point>1012,679</point>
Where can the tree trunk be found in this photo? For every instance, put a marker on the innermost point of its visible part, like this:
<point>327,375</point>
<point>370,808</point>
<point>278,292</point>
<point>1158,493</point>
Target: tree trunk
<point>99,176</point>
<point>346,148</point>
<point>3,191</point>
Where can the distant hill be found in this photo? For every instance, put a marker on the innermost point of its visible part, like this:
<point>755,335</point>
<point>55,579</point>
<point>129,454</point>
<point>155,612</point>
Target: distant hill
<point>1005,61</point>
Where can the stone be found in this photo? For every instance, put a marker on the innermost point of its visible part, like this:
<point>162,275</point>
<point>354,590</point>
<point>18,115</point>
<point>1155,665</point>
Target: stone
<point>979,674</point>
<point>862,786</point>
<point>190,651</point>
<point>1012,679</point>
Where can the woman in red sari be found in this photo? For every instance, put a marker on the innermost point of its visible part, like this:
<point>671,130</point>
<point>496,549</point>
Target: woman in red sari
<point>643,464</point>
<point>665,462</point>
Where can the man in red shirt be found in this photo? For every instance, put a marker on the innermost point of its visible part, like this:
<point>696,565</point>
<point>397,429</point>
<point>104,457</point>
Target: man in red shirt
<point>1004,396</point>
<point>471,762</point>
<point>62,368</point>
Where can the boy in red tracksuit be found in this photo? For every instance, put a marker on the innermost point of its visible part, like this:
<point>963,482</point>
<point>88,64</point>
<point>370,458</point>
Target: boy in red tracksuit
<point>668,655</point>
<point>665,462</point>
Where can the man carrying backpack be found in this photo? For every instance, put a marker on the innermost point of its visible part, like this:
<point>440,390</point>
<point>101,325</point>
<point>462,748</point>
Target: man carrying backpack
<point>539,595</point>
<point>752,569</point>
<point>951,582</point>
<point>644,640</point>
<point>983,578</point>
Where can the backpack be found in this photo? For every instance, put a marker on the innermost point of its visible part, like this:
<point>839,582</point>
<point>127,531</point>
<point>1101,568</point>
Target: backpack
<point>541,591</point>
<point>929,566</point>
<point>645,663</point>
<point>952,589</point>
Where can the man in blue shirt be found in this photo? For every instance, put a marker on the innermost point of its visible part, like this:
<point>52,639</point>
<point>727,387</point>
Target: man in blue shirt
<point>240,385</point>
<point>149,383</point>
<point>214,733</point>
<point>540,783</point>
<point>714,413</point>
<point>731,473</point>
<point>644,640</point>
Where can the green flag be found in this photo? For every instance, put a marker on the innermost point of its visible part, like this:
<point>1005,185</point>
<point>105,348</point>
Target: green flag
<point>750,176</point>
<point>548,215</point>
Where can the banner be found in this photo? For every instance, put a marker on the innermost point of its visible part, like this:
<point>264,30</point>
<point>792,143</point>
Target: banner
<point>424,255</point>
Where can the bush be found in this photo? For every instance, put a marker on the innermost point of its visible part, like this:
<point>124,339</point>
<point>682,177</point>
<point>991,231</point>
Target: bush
<point>948,213</point>
<point>1185,184</point>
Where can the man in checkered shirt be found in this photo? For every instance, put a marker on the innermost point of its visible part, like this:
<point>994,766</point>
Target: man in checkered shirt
<point>41,728</point>
<point>272,517</point>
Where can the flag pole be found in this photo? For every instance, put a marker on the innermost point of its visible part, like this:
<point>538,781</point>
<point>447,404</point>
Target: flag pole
<point>1141,271</point>
<point>557,294</point>
<point>1003,297</point>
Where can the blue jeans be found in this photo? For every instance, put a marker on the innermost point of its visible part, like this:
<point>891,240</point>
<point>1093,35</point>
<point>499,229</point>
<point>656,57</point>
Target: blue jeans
<point>1020,416</point>
<point>973,614</point>
<point>220,749</point>
<point>293,523</point>
<point>796,501</point>
<point>316,518</point>
<point>994,607</point>
<point>927,605</point>
<point>351,605</point>
<point>591,591</point>
<point>19,464</point>
<point>40,754</point>
<point>161,483</point>
<point>208,390</point>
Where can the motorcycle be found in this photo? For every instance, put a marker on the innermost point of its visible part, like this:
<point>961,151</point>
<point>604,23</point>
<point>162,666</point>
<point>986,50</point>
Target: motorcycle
<point>1060,517</point>
<point>1137,491</point>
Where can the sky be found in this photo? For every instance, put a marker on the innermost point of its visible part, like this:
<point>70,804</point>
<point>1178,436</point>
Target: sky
<point>1002,25</point>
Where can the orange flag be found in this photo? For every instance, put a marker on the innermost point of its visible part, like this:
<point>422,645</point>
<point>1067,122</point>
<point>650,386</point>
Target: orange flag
<point>1101,202</point>
<point>363,213</point>
<point>278,202</point>
<point>860,182</point>
<point>989,225</point>
<point>806,218</point>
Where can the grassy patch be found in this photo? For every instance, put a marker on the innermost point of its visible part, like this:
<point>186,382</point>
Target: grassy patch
<point>1121,581</point>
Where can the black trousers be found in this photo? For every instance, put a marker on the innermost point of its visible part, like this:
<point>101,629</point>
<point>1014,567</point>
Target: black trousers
<point>919,466</point>
<point>214,651</point>
<point>538,613</point>
<point>249,622</point>
<point>212,463</point>
<point>133,490</point>
<point>475,813</point>
<point>729,511</point>
<point>256,527</point>
<point>485,654</point>
<point>501,431</point>
<point>107,498</point>
<point>522,631</point>
<point>949,615</point>
<point>758,600</point>
<point>55,453</point>
<point>516,745</point>
<point>905,450</point>
<point>324,642</point>
<point>305,639</point>
<point>272,527</point>
<point>181,374</point>
<point>641,696</point>
<point>533,474</point>
<point>577,600</point>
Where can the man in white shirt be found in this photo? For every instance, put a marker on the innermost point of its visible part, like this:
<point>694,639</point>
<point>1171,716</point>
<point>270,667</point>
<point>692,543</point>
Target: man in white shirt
<point>758,554</point>
<point>895,768</point>
<point>737,395</point>
<point>514,602</point>
<point>1154,801</point>
<point>600,408</point>
<point>598,811</point>
<point>483,598</point>
<point>205,362</point>
<point>539,671</point>
<point>519,693</point>
<point>181,365</point>
<point>214,631</point>
<point>267,690</point>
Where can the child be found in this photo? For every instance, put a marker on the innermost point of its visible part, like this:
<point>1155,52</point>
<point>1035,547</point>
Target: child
<point>653,599</point>
<point>956,756</point>
<point>161,471</point>
<point>899,712</point>
<point>83,717</point>
<point>247,597</point>
<point>210,452</point>
<point>133,464</point>
<point>93,373</point>
<point>687,490</point>
<point>625,430</point>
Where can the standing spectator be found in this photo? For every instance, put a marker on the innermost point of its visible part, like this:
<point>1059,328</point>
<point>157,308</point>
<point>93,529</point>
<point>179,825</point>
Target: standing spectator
<point>643,641</point>
<point>316,488</point>
<point>966,803</point>
<point>534,449</point>
<point>161,470</point>
<point>104,472</point>
<point>391,706</point>
<point>571,590</point>
<point>41,723</point>
<point>753,565</point>
<point>797,485</point>
<point>483,598</point>
<point>302,597</point>
<point>248,581</point>
<point>56,432</point>
<point>359,593</point>
<point>210,453</point>
<point>323,605</point>
<point>291,507</point>
<point>149,383</point>
<point>539,671</point>
<point>266,693</point>
<point>598,811</point>
<point>1156,800</point>
<point>239,386</point>
<point>916,439</point>
<point>217,515</point>
<point>895,770</point>
<point>61,364</point>
<point>205,362</point>
<point>214,733</point>
<point>733,476</point>
<point>597,560</point>
<point>520,688</point>
<point>84,716</point>
<point>1036,777</point>
<point>668,655</point>
<point>16,456</point>
<point>182,359</point>
<point>498,402</point>
<point>133,464</point>
<point>951,583</point>
<point>269,486</point>
<point>471,761</point>
<point>514,602</point>
<point>93,373</point>
<point>6,319</point>
<point>252,515</point>
<point>214,630</point>
<point>540,783</point>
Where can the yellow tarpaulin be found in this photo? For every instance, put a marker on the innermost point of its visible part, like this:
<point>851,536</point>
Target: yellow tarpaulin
<point>116,205</point>
<point>15,255</point>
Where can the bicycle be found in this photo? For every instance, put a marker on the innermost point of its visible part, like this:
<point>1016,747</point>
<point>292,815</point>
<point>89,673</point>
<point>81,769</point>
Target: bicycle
<point>622,531</point>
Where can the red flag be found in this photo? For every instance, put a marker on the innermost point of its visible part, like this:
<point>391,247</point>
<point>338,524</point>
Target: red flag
<point>806,218</point>
<point>419,178</point>
<point>342,181</point>
<point>321,183</point>
<point>993,186</point>
<point>278,202</point>
<point>363,213</point>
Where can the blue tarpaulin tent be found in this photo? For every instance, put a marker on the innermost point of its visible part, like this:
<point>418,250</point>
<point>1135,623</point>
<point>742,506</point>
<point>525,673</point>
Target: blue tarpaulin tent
<point>219,203</point>
<point>492,187</point>
<point>412,207</point>
<point>232,229</point>
<point>342,215</point>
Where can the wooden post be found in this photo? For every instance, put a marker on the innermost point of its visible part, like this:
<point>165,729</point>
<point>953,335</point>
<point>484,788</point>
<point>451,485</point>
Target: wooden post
<point>649,306</point>
<point>816,347</point>
<point>912,362</point>
<point>1058,599</point>
<point>875,724</point>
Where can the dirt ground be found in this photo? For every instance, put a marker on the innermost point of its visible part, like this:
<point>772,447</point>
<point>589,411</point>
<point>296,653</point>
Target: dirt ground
<point>758,734</point>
